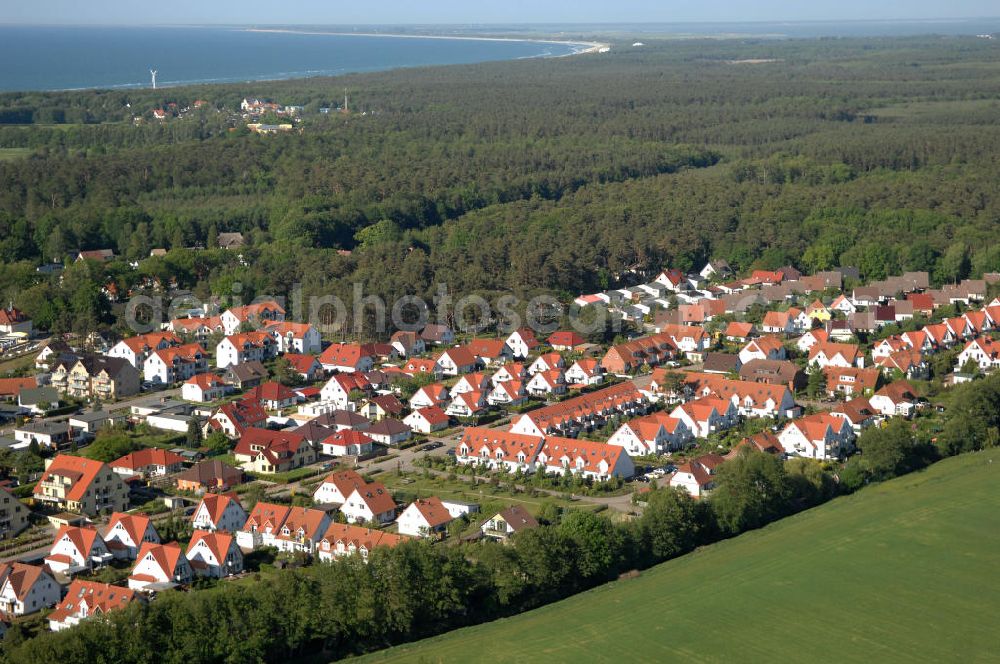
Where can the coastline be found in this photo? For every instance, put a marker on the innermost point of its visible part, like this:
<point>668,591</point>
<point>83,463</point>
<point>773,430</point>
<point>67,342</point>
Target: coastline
<point>590,47</point>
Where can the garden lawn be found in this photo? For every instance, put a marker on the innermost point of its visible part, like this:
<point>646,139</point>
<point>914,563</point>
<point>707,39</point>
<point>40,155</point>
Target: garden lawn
<point>905,571</point>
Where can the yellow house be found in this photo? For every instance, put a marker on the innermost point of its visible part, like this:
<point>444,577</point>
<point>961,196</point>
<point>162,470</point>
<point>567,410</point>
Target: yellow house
<point>818,311</point>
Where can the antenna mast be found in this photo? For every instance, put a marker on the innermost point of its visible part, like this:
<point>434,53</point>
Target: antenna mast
<point>152,72</point>
<point>345,101</point>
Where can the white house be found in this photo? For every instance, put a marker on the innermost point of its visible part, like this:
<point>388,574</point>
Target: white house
<point>347,443</point>
<point>25,589</point>
<point>203,387</point>
<point>371,503</point>
<point>126,534</point>
<point>338,389</point>
<point>160,566</point>
<point>585,372</point>
<point>819,436</point>
<point>424,518</point>
<point>435,394</point>
<point>697,476</point>
<point>598,461</point>
<point>245,347</point>
<point>507,393</point>
<point>295,337</point>
<point>76,549</point>
<point>427,420</point>
<point>219,512</point>
<point>175,364</point>
<point>652,434</point>
<point>214,554</point>
<point>522,342</point>
<point>703,416</point>
<point>547,382</point>
<point>337,487</point>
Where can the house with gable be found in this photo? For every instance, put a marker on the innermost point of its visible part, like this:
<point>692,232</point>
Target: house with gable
<point>256,315</point>
<point>203,387</point>
<point>219,512</point>
<point>407,343</point>
<point>763,348</point>
<point>371,503</point>
<point>706,415</point>
<point>597,461</point>
<point>496,449</point>
<point>86,599</point>
<point>237,417</point>
<point>435,394</point>
<point>428,420</point>
<point>424,517</point>
<point>294,337</point>
<point>522,342</point>
<point>346,358</point>
<point>457,361</point>
<point>245,347</point>
<point>126,533</point>
<point>508,393</point>
<point>135,350</point>
<point>337,487</point>
<point>819,436</point>
<point>347,443</point>
<point>81,485</point>
<point>160,566</point>
<point>341,540</point>
<point>546,383</point>
<point>77,548</point>
<point>830,354</point>
<point>505,524</point>
<point>897,398</point>
<point>655,433</point>
<point>25,589</point>
<point>262,525</point>
<point>438,335</point>
<point>585,372</point>
<point>301,530</point>
<point>214,554</point>
<point>341,386</point>
<point>266,451</point>
<point>175,364</point>
<point>697,477</point>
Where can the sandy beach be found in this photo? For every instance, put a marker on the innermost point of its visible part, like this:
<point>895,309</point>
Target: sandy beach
<point>579,47</point>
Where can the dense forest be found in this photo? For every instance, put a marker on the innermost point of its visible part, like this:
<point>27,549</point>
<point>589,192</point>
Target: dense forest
<point>564,175</point>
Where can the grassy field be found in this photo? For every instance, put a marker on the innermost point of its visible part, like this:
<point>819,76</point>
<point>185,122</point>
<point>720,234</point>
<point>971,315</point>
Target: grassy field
<point>7,154</point>
<point>902,572</point>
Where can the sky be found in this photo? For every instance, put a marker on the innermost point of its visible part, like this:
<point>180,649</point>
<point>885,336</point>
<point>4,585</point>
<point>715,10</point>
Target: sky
<point>343,12</point>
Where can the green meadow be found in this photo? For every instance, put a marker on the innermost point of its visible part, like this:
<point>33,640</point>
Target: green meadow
<point>906,571</point>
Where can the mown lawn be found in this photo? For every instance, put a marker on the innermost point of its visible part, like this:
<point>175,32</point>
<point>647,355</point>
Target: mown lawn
<point>906,571</point>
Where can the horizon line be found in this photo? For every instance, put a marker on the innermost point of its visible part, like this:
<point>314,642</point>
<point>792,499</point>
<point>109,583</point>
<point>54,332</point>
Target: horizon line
<point>513,23</point>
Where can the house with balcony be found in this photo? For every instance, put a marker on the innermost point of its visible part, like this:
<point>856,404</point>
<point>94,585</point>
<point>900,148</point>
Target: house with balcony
<point>84,486</point>
<point>175,364</point>
<point>214,554</point>
<point>96,377</point>
<point>77,548</point>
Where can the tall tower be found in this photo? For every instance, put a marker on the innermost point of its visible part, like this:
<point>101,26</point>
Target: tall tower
<point>346,109</point>
<point>152,73</point>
